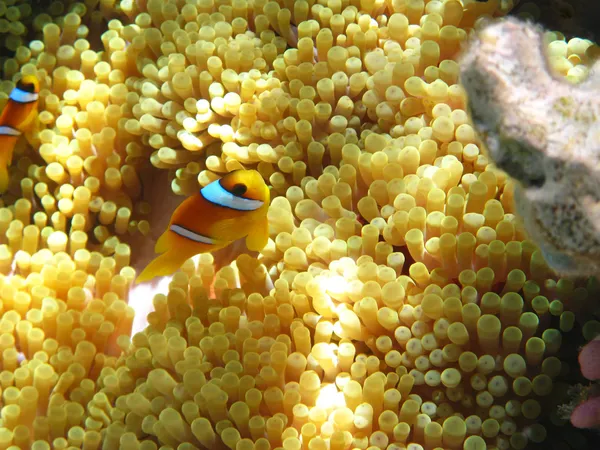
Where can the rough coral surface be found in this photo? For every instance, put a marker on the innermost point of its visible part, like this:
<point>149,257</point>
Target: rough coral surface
<point>544,132</point>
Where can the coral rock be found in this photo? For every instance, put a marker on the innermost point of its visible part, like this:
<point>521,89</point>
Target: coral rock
<point>543,131</point>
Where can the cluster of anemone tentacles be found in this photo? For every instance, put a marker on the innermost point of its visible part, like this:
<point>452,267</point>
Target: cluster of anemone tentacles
<point>398,304</point>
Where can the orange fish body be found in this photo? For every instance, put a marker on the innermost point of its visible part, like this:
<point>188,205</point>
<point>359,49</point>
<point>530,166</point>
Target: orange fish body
<point>16,117</point>
<point>222,212</point>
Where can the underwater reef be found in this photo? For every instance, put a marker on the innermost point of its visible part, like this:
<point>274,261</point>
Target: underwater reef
<point>403,299</point>
<point>543,131</point>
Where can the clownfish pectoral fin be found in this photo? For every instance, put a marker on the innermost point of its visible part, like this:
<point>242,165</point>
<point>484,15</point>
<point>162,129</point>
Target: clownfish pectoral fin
<point>4,179</point>
<point>165,264</point>
<point>33,130</point>
<point>5,160</point>
<point>259,236</point>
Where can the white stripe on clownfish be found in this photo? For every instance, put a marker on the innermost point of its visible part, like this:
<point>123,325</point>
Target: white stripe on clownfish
<point>20,96</point>
<point>217,194</point>
<point>5,130</point>
<point>184,232</point>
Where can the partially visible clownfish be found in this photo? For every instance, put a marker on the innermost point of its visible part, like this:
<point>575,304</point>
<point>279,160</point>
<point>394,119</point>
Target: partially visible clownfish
<point>222,212</point>
<point>17,116</point>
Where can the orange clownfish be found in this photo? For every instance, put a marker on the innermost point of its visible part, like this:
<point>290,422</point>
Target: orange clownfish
<point>220,213</point>
<point>16,117</point>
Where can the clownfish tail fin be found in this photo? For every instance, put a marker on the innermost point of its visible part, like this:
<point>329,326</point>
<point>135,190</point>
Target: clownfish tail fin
<point>165,264</point>
<point>162,265</point>
<point>162,244</point>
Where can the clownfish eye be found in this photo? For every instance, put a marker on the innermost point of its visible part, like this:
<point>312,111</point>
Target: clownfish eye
<point>239,189</point>
<point>27,87</point>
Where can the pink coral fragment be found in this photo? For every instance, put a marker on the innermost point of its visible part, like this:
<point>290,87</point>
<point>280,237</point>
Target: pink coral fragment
<point>589,360</point>
<point>587,415</point>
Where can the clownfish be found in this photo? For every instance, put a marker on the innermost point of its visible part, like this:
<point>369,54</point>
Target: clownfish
<point>222,212</point>
<point>17,116</point>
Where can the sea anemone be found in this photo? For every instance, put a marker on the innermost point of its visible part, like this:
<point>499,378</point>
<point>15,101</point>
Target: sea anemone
<point>399,302</point>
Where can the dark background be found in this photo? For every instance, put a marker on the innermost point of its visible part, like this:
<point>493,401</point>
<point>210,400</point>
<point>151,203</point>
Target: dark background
<point>574,18</point>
